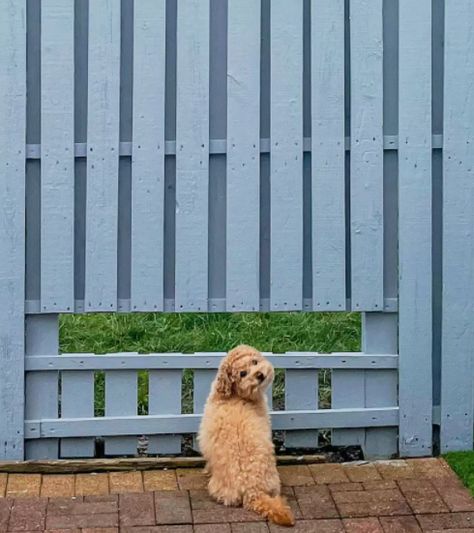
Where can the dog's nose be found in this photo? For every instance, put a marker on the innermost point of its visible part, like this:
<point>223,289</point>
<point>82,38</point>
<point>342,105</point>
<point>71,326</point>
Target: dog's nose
<point>260,376</point>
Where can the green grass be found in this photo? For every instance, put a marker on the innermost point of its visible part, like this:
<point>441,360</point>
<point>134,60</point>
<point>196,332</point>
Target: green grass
<point>188,333</point>
<point>463,464</point>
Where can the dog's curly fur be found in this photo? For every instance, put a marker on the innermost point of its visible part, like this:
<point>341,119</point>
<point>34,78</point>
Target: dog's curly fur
<point>235,437</point>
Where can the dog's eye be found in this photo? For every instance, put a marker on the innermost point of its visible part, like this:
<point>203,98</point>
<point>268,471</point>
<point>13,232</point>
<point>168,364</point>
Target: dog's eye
<point>243,373</point>
<point>254,362</point>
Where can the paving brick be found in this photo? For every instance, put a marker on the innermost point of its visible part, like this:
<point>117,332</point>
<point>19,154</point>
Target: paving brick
<point>463,530</point>
<point>316,502</point>
<point>28,514</point>
<point>362,525</point>
<point>455,495</point>
<point>446,521</point>
<point>160,480</point>
<point>431,468</point>
<point>248,527</point>
<point>328,473</point>
<point>362,472</point>
<point>358,504</point>
<point>345,487</point>
<point>380,485</point>
<point>3,484</point>
<point>191,479</point>
<point>399,469</point>
<point>297,475</point>
<point>399,524</point>
<point>158,529</point>
<point>288,493</point>
<point>23,485</point>
<point>312,526</point>
<point>5,506</point>
<point>92,484</point>
<point>213,528</point>
<point>422,496</point>
<point>76,530</point>
<point>137,510</point>
<point>68,521</point>
<point>207,511</point>
<point>122,482</point>
<point>76,506</point>
<point>60,486</point>
<point>172,507</point>
<point>102,498</point>
<point>100,530</point>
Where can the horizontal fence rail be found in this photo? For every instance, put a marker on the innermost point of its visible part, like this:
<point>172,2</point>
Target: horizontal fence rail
<point>134,361</point>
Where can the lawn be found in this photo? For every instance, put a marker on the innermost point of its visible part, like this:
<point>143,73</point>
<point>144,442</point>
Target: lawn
<point>463,464</point>
<point>188,333</point>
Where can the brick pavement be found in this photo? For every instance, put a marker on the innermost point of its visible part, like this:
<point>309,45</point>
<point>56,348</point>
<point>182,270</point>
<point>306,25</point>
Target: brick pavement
<point>387,496</point>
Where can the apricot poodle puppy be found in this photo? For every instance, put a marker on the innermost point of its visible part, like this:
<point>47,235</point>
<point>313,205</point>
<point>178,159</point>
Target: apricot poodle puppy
<point>235,437</point>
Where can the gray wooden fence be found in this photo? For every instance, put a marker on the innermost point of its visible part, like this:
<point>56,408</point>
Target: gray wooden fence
<point>238,155</point>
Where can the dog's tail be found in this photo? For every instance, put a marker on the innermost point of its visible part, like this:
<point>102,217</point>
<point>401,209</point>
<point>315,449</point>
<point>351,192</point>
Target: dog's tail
<point>274,508</point>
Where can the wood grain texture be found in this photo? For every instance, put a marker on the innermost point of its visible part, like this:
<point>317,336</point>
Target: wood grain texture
<point>12,222</point>
<point>415,232</point>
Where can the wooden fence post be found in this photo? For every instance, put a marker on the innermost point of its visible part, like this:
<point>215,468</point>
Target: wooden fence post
<point>12,226</point>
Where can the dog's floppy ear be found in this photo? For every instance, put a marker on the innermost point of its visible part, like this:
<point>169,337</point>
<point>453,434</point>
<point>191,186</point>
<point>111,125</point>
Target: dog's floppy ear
<point>224,379</point>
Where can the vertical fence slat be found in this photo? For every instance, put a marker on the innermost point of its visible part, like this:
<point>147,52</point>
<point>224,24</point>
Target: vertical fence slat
<point>328,155</point>
<point>348,391</point>
<point>202,386</point>
<point>301,393</point>
<point>12,216</point>
<point>414,243</point>
<point>379,336</point>
<point>121,393</point>
<point>103,114</point>
<point>41,388</point>
<point>458,224</point>
<point>77,400</point>
<point>286,158</point>
<point>192,155</point>
<point>366,154</point>
<point>165,398</point>
<point>148,159</point>
<point>243,156</point>
<point>57,155</point>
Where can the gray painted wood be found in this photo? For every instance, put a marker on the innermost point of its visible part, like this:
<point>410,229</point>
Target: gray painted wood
<point>456,431</point>
<point>57,155</point>
<point>291,360</point>
<point>165,398</point>
<point>201,389</point>
<point>281,420</point>
<point>218,146</point>
<point>415,232</point>
<point>12,221</point>
<point>102,155</point>
<point>121,393</point>
<point>286,156</point>
<point>243,156</point>
<point>379,334</point>
<point>348,389</point>
<point>77,401</point>
<point>41,388</point>
<point>216,305</point>
<point>328,155</point>
<point>301,392</point>
<point>366,154</point>
<point>148,159</point>
<point>192,157</point>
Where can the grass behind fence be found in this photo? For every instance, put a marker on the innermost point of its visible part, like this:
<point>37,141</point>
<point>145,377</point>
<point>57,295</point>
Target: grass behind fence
<point>188,333</point>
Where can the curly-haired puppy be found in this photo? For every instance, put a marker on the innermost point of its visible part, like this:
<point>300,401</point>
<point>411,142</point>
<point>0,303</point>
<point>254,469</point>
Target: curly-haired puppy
<point>235,437</point>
